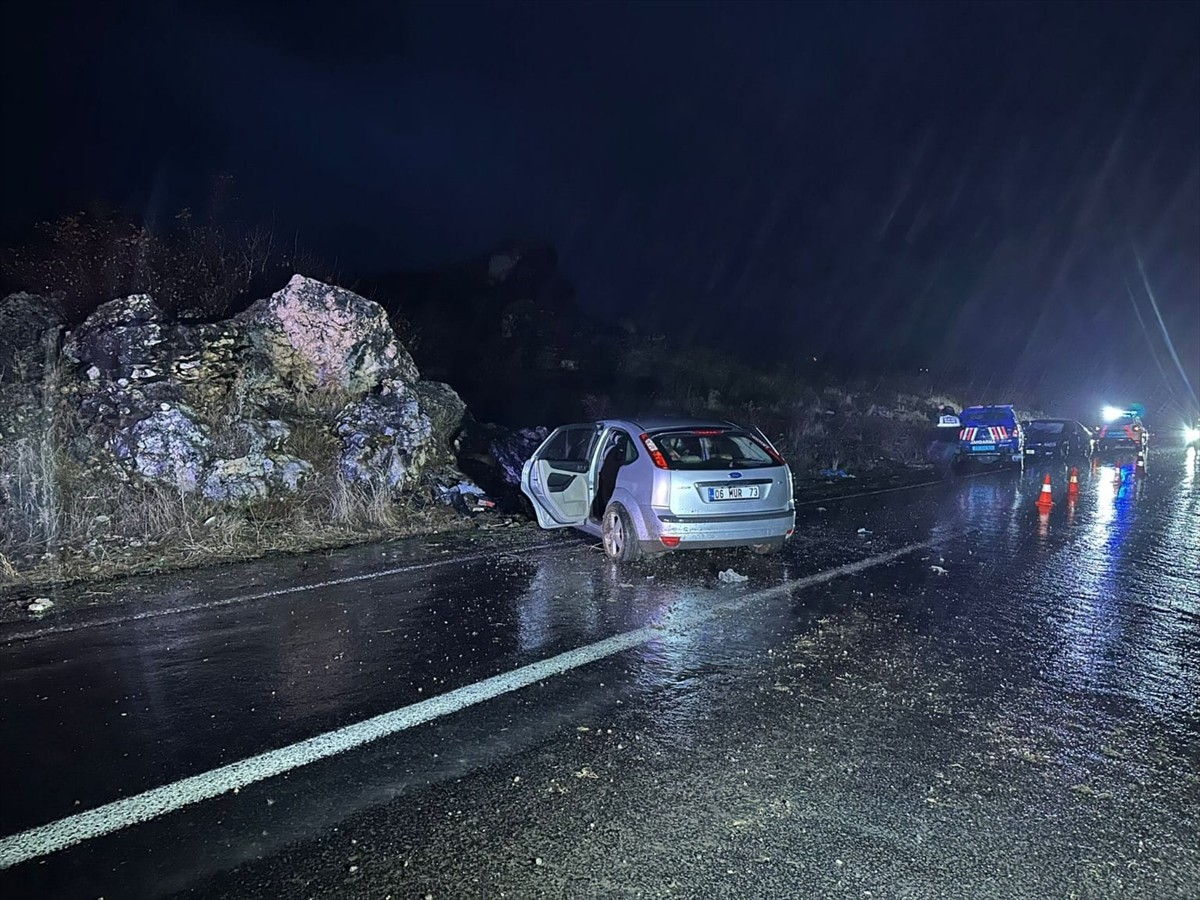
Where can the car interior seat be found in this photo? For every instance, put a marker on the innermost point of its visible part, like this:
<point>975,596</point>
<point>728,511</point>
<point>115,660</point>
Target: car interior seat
<point>606,479</point>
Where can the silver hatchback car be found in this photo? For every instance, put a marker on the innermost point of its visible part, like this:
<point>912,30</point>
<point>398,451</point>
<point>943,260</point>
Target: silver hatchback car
<point>649,486</point>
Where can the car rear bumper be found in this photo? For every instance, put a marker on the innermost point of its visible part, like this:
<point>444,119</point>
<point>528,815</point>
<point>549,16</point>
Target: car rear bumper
<point>991,456</point>
<point>730,530</point>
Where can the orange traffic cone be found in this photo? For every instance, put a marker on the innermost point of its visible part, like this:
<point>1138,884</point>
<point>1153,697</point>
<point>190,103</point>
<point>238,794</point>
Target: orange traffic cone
<point>1073,485</point>
<point>1045,498</point>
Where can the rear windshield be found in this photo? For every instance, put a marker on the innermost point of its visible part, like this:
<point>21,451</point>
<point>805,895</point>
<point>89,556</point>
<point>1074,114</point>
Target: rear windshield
<point>694,450</point>
<point>1045,427</point>
<point>1123,422</point>
<point>987,416</point>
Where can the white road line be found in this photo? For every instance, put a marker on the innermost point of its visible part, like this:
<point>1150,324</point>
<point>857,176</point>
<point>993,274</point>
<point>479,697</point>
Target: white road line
<point>64,833</point>
<point>279,592</point>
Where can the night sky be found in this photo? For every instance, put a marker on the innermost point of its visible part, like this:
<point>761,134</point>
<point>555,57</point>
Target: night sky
<point>959,186</point>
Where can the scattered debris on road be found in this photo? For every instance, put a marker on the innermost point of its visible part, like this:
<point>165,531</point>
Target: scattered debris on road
<point>938,570</point>
<point>728,576</point>
<point>466,497</point>
<point>865,531</point>
<point>40,605</point>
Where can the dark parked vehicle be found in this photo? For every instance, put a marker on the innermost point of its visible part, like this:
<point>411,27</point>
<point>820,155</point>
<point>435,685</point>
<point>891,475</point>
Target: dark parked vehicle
<point>990,434</point>
<point>1124,432</point>
<point>1058,439</point>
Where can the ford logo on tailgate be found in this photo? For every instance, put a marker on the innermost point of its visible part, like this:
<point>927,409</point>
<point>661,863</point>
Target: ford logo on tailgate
<point>735,474</point>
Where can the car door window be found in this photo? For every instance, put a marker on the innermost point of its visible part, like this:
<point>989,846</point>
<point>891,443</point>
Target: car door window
<point>621,445</point>
<point>558,479</point>
<point>570,448</point>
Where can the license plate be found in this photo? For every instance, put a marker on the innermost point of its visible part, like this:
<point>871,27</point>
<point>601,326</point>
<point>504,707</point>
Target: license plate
<point>983,448</point>
<point>741,492</point>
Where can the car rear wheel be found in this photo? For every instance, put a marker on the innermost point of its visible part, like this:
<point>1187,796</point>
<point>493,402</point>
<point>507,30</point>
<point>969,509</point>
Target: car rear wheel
<point>620,539</point>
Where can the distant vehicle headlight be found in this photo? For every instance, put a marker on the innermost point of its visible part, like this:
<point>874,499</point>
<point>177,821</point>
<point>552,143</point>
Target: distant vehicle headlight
<point>1112,413</point>
<point>1191,435</point>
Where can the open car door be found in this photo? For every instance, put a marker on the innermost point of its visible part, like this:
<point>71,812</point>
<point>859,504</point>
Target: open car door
<point>558,477</point>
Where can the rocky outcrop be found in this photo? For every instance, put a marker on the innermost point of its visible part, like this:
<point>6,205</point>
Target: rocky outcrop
<point>29,326</point>
<point>211,407</point>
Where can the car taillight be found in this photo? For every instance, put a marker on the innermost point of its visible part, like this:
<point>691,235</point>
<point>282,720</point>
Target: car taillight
<point>669,540</point>
<point>656,455</point>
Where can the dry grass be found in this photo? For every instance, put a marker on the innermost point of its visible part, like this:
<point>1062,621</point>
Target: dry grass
<point>321,402</point>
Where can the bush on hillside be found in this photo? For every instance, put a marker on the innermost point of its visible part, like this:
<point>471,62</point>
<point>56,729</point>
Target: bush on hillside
<point>194,267</point>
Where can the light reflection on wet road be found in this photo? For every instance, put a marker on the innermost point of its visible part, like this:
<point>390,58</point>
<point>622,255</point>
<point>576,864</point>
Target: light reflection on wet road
<point>1080,630</point>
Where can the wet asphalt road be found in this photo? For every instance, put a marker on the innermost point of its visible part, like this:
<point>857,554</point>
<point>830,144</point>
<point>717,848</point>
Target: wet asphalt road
<point>1026,723</point>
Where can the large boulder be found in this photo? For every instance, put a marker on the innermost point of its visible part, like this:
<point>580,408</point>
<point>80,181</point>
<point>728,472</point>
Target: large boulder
<point>131,408</point>
<point>385,440</point>
<point>317,337</point>
<point>262,468</point>
<point>167,446</point>
<point>254,476</point>
<point>128,356</point>
<point>120,340</point>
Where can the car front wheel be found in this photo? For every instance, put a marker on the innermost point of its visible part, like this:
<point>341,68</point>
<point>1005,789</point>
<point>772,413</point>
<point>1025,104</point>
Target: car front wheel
<point>620,539</point>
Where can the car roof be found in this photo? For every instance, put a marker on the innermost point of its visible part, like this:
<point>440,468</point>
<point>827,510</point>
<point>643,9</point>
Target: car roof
<point>1055,421</point>
<point>1007,406</point>
<point>648,424</point>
